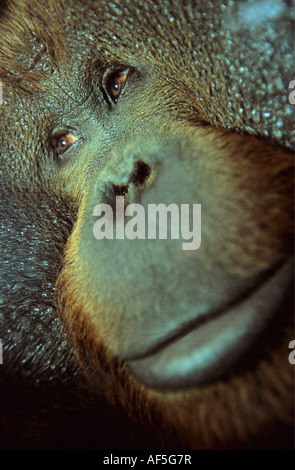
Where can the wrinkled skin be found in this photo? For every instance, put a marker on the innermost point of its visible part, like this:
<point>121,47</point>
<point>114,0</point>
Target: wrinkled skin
<point>138,343</point>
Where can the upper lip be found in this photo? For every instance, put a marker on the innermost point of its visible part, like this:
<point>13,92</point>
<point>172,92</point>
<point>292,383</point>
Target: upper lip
<point>210,347</point>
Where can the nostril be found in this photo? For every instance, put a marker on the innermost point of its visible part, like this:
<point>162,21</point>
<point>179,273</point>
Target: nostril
<point>111,191</point>
<point>120,190</point>
<point>140,174</point>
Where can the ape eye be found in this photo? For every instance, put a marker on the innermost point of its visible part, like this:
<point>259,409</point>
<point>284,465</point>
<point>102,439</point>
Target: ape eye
<point>61,142</point>
<point>116,83</point>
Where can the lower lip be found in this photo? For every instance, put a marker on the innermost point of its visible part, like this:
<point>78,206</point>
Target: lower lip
<point>207,352</point>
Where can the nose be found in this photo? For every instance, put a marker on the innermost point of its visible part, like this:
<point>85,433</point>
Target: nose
<point>135,170</point>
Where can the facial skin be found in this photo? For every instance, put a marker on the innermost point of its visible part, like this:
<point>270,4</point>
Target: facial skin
<point>192,340</point>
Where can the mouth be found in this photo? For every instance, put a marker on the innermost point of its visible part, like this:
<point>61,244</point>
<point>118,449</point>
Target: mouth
<point>208,350</point>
